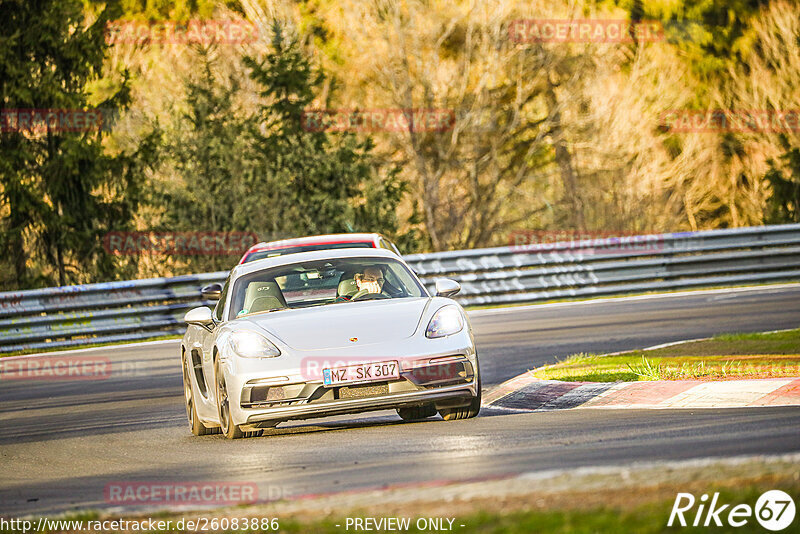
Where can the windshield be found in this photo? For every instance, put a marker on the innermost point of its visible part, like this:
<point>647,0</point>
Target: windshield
<point>323,282</point>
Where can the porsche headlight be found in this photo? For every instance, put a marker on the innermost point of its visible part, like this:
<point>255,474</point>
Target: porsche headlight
<point>248,344</point>
<point>445,322</point>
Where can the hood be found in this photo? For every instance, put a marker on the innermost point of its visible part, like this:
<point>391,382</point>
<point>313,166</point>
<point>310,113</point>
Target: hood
<point>332,326</point>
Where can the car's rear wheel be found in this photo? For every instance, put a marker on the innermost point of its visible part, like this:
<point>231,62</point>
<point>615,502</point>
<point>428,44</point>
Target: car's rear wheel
<point>197,427</point>
<point>416,413</point>
<point>228,428</point>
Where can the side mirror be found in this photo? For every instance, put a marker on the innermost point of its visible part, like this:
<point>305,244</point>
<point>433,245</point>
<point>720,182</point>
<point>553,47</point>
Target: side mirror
<point>212,291</point>
<point>446,287</point>
<point>199,317</point>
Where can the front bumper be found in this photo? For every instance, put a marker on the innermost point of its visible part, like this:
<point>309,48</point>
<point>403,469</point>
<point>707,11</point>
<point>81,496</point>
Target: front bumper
<point>266,398</point>
<point>457,395</point>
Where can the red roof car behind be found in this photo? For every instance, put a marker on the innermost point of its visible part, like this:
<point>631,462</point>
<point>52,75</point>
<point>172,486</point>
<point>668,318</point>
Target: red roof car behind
<point>317,242</point>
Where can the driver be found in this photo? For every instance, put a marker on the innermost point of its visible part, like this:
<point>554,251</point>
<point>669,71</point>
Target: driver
<point>370,281</point>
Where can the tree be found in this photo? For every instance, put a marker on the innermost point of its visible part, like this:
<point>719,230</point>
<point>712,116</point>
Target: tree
<point>180,10</point>
<point>311,181</point>
<point>783,205</point>
<point>507,158</point>
<point>740,56</point>
<point>60,191</point>
<point>205,159</point>
<point>228,166</point>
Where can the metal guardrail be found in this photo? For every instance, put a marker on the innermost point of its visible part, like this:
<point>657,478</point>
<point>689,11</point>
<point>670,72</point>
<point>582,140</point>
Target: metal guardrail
<point>121,311</point>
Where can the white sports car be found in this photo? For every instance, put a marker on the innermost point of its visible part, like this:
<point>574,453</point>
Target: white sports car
<point>325,333</point>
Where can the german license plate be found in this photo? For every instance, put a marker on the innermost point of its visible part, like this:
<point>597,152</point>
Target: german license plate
<point>363,372</point>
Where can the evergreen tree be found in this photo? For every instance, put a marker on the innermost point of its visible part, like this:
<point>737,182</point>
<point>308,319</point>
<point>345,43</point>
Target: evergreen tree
<point>60,191</point>
<point>227,170</point>
<point>312,181</point>
<point>208,150</point>
<point>783,205</point>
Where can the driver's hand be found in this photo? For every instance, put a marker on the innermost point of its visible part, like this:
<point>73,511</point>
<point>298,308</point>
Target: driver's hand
<point>371,287</point>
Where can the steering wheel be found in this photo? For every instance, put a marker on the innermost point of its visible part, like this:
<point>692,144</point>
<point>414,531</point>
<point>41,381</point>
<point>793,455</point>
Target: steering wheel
<point>372,295</point>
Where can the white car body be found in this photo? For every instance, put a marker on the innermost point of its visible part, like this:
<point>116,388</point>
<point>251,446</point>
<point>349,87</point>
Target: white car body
<point>435,374</point>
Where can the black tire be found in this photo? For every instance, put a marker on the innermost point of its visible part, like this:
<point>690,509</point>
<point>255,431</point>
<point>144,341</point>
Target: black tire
<point>197,427</point>
<point>227,428</point>
<point>416,413</point>
<point>464,412</point>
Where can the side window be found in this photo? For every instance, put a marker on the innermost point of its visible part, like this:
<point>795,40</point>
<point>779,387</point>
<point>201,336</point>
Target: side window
<point>222,298</point>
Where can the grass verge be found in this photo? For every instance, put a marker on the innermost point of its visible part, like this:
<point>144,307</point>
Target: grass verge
<point>550,516</point>
<point>727,356</point>
<point>644,510</point>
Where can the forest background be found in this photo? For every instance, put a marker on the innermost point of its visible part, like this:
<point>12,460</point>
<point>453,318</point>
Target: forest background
<point>541,134</point>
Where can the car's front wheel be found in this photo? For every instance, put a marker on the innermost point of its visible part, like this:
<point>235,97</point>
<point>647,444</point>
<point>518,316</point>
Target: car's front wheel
<point>229,429</point>
<point>416,413</point>
<point>198,428</point>
<point>464,412</point>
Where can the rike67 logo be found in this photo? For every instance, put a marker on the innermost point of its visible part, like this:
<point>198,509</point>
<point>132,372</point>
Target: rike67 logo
<point>774,510</point>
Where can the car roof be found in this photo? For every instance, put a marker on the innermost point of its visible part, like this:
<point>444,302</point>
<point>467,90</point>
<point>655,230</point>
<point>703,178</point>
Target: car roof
<point>316,255</point>
<point>315,240</point>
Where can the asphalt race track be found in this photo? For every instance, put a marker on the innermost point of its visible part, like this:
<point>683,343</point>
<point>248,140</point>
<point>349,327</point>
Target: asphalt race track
<point>62,442</point>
